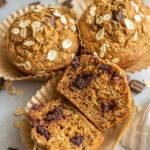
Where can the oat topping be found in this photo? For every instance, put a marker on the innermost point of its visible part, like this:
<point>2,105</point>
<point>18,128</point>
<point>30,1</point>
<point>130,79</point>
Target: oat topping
<point>23,32</point>
<point>17,124</point>
<point>148,18</point>
<point>56,14</point>
<point>89,20</point>
<point>37,10</point>
<point>95,54</point>
<point>103,49</point>
<point>74,28</point>
<point>40,72</point>
<point>15,31</point>
<point>19,111</point>
<point>129,24</point>
<point>72,21</point>
<point>135,36</point>
<point>100,34</point>
<point>92,11</point>
<point>135,6</point>
<point>36,24</point>
<point>24,24</point>
<point>66,27</point>
<point>51,55</point>
<point>63,19</point>
<point>137,18</point>
<point>73,55</point>
<point>29,43</point>
<point>27,65</point>
<point>115,60</point>
<point>107,17</point>
<point>141,15</point>
<point>66,43</point>
<point>99,20</point>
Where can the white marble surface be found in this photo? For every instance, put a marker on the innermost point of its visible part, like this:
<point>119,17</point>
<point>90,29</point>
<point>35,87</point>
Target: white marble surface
<point>10,136</point>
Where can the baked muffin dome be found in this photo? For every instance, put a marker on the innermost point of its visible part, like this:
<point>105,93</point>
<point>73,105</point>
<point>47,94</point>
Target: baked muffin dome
<point>42,40</point>
<point>116,30</point>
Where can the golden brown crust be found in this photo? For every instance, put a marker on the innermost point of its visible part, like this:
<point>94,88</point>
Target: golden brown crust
<point>113,30</point>
<point>42,41</point>
<point>74,92</point>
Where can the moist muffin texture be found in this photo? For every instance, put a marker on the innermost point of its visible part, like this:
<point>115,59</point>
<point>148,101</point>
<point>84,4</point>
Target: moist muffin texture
<point>98,89</point>
<point>116,30</point>
<point>58,125</point>
<point>42,40</point>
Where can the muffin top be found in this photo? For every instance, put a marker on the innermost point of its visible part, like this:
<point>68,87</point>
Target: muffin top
<point>42,40</point>
<point>116,30</point>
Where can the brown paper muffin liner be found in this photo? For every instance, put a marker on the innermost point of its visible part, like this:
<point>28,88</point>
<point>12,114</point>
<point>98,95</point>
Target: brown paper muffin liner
<point>48,92</point>
<point>7,69</point>
<point>79,6</point>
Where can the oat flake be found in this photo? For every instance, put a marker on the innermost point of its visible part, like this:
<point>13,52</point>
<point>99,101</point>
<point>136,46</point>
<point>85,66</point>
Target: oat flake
<point>56,14</point>
<point>148,18</point>
<point>66,43</point>
<point>129,24</point>
<point>36,24</point>
<point>107,17</point>
<point>95,54</point>
<point>37,10</point>
<point>135,6</point>
<point>24,24</point>
<point>141,14</point>
<point>51,55</point>
<point>99,20</point>
<point>100,34</point>
<point>19,111</point>
<point>29,43</point>
<point>73,55</point>
<point>103,50</point>
<point>92,11</point>
<point>136,36</point>
<point>63,19</point>
<point>137,18</point>
<point>72,21</point>
<point>138,108</point>
<point>115,60</point>
<point>23,32</point>
<point>17,124</point>
<point>74,28</point>
<point>15,31</point>
<point>27,65</point>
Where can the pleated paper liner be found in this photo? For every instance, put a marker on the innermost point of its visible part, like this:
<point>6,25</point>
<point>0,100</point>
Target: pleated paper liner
<point>79,6</point>
<point>48,92</point>
<point>7,70</point>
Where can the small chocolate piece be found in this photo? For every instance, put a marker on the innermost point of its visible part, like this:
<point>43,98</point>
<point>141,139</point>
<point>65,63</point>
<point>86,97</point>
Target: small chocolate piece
<point>77,140</point>
<point>104,67</point>
<point>10,148</point>
<point>35,122</point>
<point>107,106</point>
<point>35,3</point>
<point>37,106</point>
<point>136,86</point>
<point>56,114</point>
<point>2,81</point>
<point>2,3</point>
<point>67,3</point>
<point>49,19</point>
<point>43,131</point>
<point>83,82</point>
<point>75,62</point>
<point>117,15</point>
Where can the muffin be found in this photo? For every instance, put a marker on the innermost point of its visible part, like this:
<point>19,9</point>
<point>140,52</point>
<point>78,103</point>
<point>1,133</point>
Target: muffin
<point>42,41</point>
<point>116,30</point>
<point>58,125</point>
<point>98,89</point>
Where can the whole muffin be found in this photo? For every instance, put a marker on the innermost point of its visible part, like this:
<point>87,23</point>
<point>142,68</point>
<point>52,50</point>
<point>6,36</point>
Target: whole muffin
<point>42,40</point>
<point>116,30</point>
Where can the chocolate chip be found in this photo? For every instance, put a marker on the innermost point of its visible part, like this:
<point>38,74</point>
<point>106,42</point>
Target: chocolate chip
<point>2,3</point>
<point>35,3</point>
<point>136,86</point>
<point>35,122</point>
<point>37,106</point>
<point>77,140</point>
<point>43,131</point>
<point>67,3</point>
<point>2,81</point>
<point>104,67</point>
<point>56,114</point>
<point>10,148</point>
<point>117,15</point>
<point>107,106</point>
<point>75,62</point>
<point>83,82</point>
<point>49,19</point>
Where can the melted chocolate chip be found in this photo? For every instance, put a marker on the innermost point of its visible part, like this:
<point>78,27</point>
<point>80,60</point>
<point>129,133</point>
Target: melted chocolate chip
<point>2,81</point>
<point>11,148</point>
<point>136,86</point>
<point>77,140</point>
<point>104,67</point>
<point>2,3</point>
<point>43,131</point>
<point>75,62</point>
<point>37,106</point>
<point>117,15</point>
<point>35,122</point>
<point>67,3</point>
<point>56,114</point>
<point>83,82</point>
<point>107,106</point>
